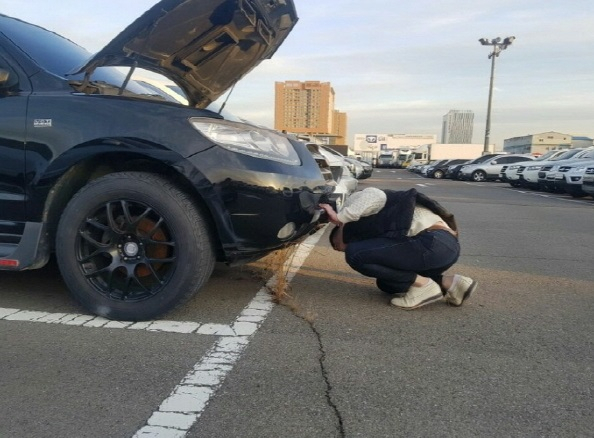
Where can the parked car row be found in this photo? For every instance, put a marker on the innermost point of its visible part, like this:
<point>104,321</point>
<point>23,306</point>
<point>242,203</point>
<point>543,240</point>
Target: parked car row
<point>571,172</point>
<point>568,171</point>
<point>479,169</point>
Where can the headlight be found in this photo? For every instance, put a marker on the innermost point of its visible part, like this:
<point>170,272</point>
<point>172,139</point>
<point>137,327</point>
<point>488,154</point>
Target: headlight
<point>513,167</point>
<point>248,140</point>
<point>533,167</point>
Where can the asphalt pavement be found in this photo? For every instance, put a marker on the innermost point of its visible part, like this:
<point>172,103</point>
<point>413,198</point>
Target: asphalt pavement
<point>335,360</point>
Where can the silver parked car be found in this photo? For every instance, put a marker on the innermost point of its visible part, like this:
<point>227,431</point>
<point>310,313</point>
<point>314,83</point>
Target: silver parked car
<point>491,169</point>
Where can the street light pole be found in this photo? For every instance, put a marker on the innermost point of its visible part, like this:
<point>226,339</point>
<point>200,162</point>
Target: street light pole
<point>498,46</point>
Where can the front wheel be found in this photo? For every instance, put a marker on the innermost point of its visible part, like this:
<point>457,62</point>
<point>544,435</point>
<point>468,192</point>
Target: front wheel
<point>438,174</point>
<point>131,246</point>
<point>479,176</point>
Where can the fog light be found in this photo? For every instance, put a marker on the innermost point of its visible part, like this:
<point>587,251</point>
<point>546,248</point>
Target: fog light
<point>287,231</point>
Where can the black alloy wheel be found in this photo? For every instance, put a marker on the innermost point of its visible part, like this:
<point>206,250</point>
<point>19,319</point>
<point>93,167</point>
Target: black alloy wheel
<point>132,246</point>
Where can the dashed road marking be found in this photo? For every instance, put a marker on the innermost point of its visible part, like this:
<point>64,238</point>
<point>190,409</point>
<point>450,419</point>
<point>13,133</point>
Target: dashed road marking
<point>549,196</point>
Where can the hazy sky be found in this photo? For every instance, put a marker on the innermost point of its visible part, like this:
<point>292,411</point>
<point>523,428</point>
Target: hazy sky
<point>397,67</point>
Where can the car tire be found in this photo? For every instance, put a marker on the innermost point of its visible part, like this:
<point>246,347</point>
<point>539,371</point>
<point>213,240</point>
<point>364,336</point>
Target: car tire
<point>479,176</point>
<point>438,174</point>
<point>131,246</point>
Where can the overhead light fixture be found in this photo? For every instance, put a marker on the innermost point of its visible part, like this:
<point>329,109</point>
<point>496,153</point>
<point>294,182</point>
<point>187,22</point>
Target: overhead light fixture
<point>498,46</point>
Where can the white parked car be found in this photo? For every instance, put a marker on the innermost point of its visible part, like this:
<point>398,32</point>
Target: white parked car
<point>346,182</point>
<point>509,172</point>
<point>569,178</point>
<point>359,169</point>
<point>528,174</point>
<point>588,181</point>
<point>547,176</point>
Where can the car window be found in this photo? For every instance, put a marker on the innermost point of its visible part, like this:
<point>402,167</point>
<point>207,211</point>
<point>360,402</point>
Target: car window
<point>41,46</point>
<point>517,159</point>
<point>10,79</point>
<point>458,161</point>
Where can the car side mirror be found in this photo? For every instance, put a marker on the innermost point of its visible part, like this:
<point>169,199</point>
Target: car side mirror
<point>493,162</point>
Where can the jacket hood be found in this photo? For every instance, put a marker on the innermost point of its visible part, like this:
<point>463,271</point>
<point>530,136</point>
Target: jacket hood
<point>205,46</point>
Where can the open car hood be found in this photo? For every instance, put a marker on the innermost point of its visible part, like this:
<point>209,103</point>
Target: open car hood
<point>205,46</point>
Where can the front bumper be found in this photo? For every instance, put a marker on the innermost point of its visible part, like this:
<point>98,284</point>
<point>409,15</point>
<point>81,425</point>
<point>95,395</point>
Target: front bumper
<point>258,205</point>
<point>568,183</point>
<point>588,184</point>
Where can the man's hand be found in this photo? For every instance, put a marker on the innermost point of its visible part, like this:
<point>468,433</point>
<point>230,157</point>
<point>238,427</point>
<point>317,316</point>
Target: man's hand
<point>332,217</point>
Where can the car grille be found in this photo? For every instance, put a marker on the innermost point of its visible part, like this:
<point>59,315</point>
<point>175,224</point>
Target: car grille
<point>521,169</point>
<point>503,169</point>
<point>589,171</point>
<point>564,168</point>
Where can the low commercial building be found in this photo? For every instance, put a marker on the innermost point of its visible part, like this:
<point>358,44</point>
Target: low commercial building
<point>370,146</point>
<point>542,143</point>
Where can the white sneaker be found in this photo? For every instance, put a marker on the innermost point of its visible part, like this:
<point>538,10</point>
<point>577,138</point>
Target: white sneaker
<point>460,290</point>
<point>418,296</point>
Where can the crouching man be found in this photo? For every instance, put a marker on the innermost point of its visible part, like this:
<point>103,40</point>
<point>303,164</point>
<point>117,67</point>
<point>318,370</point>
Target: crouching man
<point>406,241</point>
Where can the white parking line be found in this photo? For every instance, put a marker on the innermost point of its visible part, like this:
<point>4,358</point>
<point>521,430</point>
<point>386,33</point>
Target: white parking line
<point>542,195</point>
<point>182,408</point>
<point>76,319</point>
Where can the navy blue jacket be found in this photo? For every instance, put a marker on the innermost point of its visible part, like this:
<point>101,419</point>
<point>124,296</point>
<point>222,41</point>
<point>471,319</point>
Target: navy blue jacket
<point>395,218</point>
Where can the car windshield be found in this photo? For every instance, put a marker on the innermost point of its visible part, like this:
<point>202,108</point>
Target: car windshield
<point>481,159</point>
<point>567,154</point>
<point>546,156</point>
<point>42,45</point>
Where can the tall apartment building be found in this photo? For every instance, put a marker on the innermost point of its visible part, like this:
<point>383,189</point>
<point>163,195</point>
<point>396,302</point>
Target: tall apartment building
<point>457,127</point>
<point>308,108</point>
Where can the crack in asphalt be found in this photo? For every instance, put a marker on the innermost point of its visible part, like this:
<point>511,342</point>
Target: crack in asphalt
<point>324,372</point>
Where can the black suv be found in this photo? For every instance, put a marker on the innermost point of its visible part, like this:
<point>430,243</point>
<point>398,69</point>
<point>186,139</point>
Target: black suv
<point>138,196</point>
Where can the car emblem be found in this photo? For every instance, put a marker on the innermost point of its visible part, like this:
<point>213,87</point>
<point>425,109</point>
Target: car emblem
<point>42,123</point>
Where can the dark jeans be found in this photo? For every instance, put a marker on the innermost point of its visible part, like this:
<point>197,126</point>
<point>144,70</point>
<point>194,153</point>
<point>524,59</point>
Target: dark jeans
<point>395,262</point>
